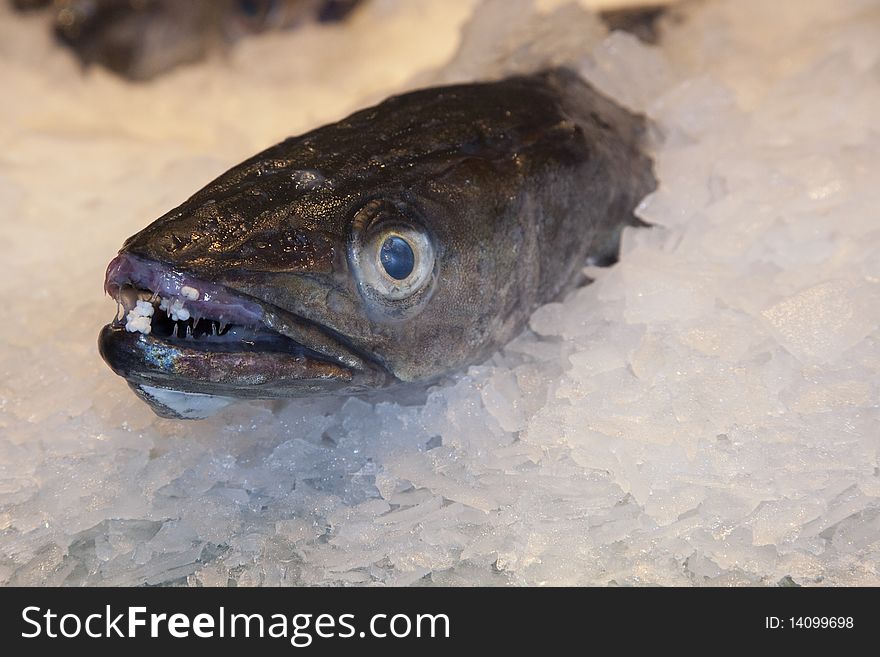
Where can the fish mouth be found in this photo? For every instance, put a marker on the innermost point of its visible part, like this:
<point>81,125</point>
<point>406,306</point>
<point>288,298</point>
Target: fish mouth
<point>175,331</point>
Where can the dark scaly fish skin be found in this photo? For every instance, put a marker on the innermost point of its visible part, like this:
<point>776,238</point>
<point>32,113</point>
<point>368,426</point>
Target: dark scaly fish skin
<point>514,185</point>
<point>141,39</point>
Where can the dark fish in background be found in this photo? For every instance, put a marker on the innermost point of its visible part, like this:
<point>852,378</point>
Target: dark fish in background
<point>29,5</point>
<point>643,21</point>
<point>404,242</point>
<point>140,39</point>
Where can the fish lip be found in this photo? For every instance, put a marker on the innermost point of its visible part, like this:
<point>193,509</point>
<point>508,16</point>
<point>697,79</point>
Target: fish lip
<point>167,281</point>
<point>336,360</point>
<point>144,360</point>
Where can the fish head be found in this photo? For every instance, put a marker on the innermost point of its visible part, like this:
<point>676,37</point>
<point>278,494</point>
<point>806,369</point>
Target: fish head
<point>292,281</point>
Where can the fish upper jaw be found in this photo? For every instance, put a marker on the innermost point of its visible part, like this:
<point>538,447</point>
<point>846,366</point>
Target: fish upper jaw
<point>178,332</point>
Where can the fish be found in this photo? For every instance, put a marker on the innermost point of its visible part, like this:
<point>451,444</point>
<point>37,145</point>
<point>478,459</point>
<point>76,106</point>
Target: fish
<point>640,20</point>
<point>143,39</point>
<point>394,247</point>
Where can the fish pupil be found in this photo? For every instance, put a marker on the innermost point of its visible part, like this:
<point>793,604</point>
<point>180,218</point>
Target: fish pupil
<point>397,258</point>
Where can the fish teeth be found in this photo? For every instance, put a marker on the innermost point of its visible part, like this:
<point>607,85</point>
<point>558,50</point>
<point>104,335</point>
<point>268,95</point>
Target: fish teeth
<point>175,309</point>
<point>139,316</point>
<point>128,297</point>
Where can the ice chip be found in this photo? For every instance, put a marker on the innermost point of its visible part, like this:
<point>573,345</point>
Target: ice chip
<point>704,413</point>
<point>818,323</point>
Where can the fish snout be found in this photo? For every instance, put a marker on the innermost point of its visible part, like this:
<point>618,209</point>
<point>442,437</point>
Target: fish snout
<point>211,241</point>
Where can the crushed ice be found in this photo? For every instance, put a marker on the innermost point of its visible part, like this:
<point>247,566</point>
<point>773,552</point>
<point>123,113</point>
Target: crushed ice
<point>190,293</point>
<point>139,319</point>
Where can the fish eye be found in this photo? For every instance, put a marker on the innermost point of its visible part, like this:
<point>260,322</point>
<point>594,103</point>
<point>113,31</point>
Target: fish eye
<point>396,261</point>
<point>397,258</point>
<point>392,257</point>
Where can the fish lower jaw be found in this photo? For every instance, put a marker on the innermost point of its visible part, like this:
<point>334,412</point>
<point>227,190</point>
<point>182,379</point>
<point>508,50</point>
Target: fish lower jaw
<point>233,370</point>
